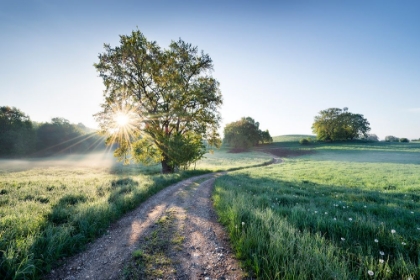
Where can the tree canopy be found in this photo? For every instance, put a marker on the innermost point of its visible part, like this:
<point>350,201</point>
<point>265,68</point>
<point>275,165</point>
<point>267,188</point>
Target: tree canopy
<point>168,98</point>
<point>21,137</point>
<point>339,124</point>
<point>16,137</point>
<point>61,136</point>
<point>245,133</point>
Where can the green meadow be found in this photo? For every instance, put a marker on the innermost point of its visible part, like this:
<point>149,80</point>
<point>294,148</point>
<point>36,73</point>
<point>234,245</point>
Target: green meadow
<point>346,211</point>
<point>221,159</point>
<point>51,208</point>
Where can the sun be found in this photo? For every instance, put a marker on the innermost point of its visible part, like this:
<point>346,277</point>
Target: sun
<point>122,119</point>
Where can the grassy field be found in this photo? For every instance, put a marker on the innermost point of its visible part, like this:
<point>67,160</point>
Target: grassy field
<point>221,159</point>
<point>294,138</point>
<point>51,208</point>
<point>348,211</point>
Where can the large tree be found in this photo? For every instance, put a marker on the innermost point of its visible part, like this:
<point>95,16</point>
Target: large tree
<point>339,124</point>
<point>158,102</point>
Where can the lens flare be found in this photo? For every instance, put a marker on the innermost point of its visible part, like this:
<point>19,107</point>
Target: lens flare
<point>124,125</point>
<point>122,119</point>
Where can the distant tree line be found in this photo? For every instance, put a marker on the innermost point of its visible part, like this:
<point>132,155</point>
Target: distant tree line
<point>391,138</point>
<point>335,124</point>
<point>245,133</point>
<point>19,136</point>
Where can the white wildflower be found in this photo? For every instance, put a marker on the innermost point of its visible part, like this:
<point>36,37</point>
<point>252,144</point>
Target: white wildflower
<point>370,272</point>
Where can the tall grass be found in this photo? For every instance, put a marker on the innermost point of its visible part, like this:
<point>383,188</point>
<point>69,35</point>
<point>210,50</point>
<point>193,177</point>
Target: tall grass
<point>51,208</point>
<point>50,213</point>
<point>313,218</point>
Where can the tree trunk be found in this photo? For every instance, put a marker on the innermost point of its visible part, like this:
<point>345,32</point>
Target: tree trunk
<point>166,168</point>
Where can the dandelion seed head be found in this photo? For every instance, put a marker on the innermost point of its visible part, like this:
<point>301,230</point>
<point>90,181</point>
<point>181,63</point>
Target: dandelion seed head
<point>376,240</point>
<point>343,239</point>
<point>381,260</point>
<point>403,243</point>
<point>243,223</point>
<point>326,213</point>
<point>381,253</point>
<point>370,272</point>
<point>393,231</point>
<point>350,219</point>
<point>412,212</point>
<point>365,206</point>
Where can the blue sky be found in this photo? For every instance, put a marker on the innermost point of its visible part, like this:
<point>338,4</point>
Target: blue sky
<point>278,62</point>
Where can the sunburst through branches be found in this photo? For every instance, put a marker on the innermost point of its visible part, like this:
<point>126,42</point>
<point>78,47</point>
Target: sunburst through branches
<point>122,119</point>
<point>124,125</point>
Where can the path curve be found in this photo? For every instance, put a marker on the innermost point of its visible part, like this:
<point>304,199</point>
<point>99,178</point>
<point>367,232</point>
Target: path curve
<point>205,252</point>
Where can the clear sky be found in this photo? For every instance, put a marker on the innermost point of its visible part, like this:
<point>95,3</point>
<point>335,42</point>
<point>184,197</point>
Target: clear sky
<point>279,62</point>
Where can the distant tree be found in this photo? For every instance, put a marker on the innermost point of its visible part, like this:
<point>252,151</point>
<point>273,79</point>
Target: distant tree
<point>391,138</point>
<point>339,124</point>
<point>372,137</point>
<point>245,133</point>
<point>17,136</point>
<point>266,137</point>
<point>305,141</point>
<point>404,140</point>
<point>157,101</point>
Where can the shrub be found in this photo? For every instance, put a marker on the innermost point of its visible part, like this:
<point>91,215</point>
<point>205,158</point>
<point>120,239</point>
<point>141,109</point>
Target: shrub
<point>305,141</point>
<point>391,138</point>
<point>404,140</point>
<point>372,137</point>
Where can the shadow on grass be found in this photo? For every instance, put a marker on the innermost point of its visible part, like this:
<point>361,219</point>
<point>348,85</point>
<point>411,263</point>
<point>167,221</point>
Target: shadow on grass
<point>75,220</point>
<point>368,156</point>
<point>361,216</point>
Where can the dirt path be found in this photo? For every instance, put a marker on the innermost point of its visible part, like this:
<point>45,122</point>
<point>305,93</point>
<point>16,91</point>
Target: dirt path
<point>173,235</point>
<point>202,253</point>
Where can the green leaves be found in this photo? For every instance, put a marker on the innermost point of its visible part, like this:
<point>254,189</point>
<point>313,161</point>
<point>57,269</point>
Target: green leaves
<point>245,133</point>
<point>172,92</point>
<point>338,124</point>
